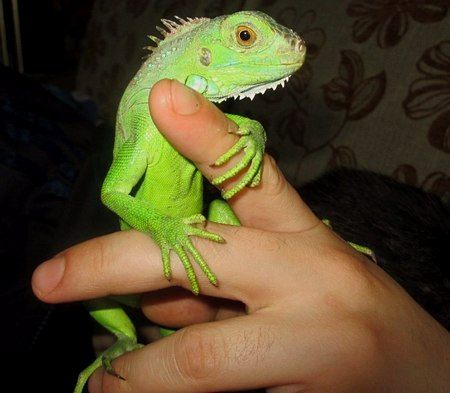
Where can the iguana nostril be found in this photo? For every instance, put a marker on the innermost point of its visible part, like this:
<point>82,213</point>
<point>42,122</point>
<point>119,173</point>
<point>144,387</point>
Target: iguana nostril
<point>301,46</point>
<point>296,43</point>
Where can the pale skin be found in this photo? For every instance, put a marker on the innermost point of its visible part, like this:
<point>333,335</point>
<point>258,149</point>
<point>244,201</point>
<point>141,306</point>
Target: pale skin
<point>296,308</point>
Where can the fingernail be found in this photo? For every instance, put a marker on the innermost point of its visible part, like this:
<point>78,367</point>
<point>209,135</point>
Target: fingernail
<point>95,383</point>
<point>48,275</point>
<point>185,101</point>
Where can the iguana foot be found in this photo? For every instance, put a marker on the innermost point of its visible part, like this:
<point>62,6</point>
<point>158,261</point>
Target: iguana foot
<point>175,235</point>
<point>252,141</point>
<point>362,249</point>
<point>121,346</point>
<point>165,332</point>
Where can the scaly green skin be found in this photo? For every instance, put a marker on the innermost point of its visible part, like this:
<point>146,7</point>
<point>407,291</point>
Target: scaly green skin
<point>210,56</point>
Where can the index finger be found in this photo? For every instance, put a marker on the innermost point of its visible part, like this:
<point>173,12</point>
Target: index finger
<point>130,262</point>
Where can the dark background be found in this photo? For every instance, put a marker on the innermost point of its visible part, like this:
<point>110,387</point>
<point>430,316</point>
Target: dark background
<point>52,33</point>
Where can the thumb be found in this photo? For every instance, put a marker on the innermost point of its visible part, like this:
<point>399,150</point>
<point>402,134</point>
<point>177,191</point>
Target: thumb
<point>201,132</point>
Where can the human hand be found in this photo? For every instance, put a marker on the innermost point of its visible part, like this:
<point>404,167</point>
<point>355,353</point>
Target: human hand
<point>318,316</point>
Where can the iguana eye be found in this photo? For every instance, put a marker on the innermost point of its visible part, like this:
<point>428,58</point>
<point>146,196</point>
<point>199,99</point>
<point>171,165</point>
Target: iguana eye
<point>245,35</point>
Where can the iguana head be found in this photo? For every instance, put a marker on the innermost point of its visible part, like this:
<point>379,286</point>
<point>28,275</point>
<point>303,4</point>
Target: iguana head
<point>252,54</point>
<point>237,55</point>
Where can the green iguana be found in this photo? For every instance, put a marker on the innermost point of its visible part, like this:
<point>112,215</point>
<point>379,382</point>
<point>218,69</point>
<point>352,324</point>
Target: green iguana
<point>234,56</point>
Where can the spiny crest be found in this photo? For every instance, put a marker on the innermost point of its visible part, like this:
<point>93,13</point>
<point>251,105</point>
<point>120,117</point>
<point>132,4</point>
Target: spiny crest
<point>173,29</point>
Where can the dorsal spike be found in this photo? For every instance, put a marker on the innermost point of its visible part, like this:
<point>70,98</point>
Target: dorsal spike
<point>174,24</point>
<point>156,40</point>
<point>173,28</point>
<point>181,20</point>
<point>162,31</point>
<point>168,24</point>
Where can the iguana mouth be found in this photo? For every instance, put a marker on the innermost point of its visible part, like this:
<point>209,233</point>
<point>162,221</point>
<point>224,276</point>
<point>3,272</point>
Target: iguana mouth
<point>251,91</point>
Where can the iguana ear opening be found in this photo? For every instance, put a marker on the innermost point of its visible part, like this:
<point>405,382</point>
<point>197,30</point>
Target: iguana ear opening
<point>205,56</point>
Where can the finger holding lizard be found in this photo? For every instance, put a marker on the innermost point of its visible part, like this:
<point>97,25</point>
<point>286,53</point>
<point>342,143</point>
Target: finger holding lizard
<point>202,133</point>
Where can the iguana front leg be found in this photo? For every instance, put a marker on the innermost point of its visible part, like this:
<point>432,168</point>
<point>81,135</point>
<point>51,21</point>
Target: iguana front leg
<point>252,141</point>
<point>170,233</point>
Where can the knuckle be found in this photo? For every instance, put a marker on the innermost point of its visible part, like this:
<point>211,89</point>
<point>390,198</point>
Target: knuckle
<point>341,262</point>
<point>357,275</point>
<point>360,349</point>
<point>101,262</point>
<point>198,355</point>
<point>271,243</point>
<point>363,340</point>
<point>253,344</point>
<point>354,281</point>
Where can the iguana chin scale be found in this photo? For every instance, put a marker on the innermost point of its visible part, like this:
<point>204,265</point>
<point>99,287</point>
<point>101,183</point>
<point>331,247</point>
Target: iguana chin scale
<point>234,56</point>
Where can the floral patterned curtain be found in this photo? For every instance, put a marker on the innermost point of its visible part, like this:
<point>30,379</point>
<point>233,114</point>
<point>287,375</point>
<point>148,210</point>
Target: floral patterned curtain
<point>374,92</point>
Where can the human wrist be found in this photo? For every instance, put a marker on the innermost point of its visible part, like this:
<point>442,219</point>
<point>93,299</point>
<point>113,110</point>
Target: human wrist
<point>416,348</point>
